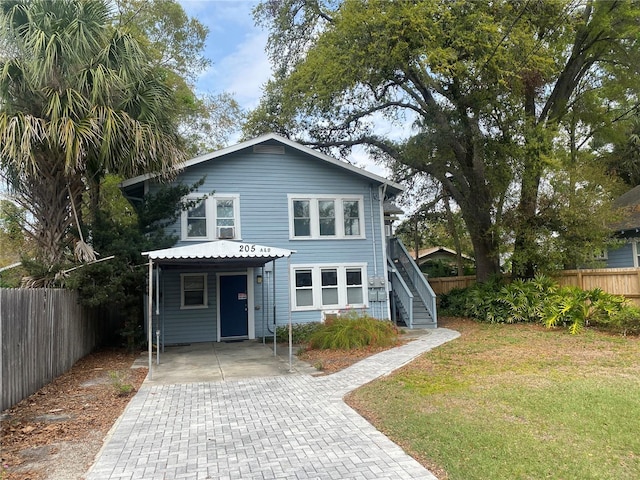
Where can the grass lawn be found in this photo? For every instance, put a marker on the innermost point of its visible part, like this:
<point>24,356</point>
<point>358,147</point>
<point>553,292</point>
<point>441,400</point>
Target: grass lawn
<point>515,402</point>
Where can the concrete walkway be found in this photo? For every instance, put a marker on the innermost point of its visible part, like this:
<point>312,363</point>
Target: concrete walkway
<point>285,427</point>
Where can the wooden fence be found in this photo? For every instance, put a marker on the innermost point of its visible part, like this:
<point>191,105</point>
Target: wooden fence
<point>442,285</point>
<point>619,281</point>
<point>43,332</point>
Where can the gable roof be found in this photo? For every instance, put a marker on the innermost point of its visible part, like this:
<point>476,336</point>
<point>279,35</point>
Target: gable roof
<point>270,137</point>
<point>426,253</point>
<point>629,202</point>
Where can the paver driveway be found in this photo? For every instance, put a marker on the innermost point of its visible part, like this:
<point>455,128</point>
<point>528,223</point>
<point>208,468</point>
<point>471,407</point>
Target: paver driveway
<point>288,427</point>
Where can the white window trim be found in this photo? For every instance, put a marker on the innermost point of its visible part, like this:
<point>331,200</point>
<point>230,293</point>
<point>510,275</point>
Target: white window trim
<point>210,206</point>
<point>601,255</point>
<point>315,216</point>
<point>205,296</point>
<point>316,282</point>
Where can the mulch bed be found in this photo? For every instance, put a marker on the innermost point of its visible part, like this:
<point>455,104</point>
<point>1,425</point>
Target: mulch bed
<point>80,404</point>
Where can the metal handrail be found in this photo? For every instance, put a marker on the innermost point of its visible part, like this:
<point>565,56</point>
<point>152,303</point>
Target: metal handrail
<point>402,291</point>
<point>425,292</point>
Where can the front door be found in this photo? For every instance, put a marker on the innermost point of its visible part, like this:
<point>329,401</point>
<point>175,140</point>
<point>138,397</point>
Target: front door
<point>234,315</point>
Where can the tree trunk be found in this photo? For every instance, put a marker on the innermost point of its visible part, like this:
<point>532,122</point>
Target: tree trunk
<point>485,248</point>
<point>525,248</point>
<point>477,217</point>
<point>454,233</point>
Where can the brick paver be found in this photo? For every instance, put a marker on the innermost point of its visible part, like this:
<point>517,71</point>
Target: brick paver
<point>290,427</point>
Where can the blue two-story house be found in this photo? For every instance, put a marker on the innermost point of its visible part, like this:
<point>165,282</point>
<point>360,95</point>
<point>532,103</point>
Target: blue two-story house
<point>278,232</point>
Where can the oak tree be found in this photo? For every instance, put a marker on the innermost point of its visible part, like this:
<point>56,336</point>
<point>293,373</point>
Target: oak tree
<point>488,96</point>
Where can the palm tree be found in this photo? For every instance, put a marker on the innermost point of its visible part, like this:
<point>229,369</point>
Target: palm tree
<point>78,98</point>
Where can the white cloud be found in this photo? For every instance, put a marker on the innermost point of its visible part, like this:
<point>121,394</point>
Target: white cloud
<point>360,158</point>
<point>235,46</point>
<point>242,72</point>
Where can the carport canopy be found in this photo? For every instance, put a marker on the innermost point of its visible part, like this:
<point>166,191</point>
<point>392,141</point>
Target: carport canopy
<point>216,252</point>
<point>249,254</point>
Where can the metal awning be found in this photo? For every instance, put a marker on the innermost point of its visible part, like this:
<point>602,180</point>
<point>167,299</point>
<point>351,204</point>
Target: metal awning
<point>224,252</point>
<point>247,253</point>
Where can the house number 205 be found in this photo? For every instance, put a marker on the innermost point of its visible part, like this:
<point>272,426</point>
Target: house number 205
<point>247,248</point>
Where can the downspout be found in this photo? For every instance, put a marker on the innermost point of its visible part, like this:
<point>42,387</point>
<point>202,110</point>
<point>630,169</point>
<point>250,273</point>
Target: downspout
<point>290,319</point>
<point>163,310</point>
<point>373,233</point>
<point>262,305</point>
<point>383,194</point>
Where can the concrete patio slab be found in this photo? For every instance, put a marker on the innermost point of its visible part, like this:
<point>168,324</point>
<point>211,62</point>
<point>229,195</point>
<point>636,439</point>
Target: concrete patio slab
<point>219,361</point>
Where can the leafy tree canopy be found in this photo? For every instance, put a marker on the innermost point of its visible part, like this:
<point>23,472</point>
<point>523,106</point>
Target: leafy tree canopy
<point>12,240</point>
<point>493,100</point>
<point>175,43</point>
<point>123,230</point>
<point>78,98</point>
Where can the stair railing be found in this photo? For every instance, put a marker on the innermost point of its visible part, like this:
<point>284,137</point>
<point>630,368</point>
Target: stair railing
<point>398,253</point>
<point>403,294</point>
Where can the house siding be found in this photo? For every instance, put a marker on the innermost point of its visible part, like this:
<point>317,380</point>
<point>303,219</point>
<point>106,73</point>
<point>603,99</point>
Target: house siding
<point>187,325</point>
<point>621,257</point>
<point>263,182</point>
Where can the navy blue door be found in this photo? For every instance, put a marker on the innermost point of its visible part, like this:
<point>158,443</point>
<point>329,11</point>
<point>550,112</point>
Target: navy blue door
<point>234,318</point>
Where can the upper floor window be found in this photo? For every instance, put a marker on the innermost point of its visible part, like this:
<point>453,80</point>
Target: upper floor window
<point>212,218</point>
<point>325,216</point>
<point>197,221</point>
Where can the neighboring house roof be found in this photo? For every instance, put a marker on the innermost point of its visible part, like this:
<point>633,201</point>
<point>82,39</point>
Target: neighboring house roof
<point>432,253</point>
<point>630,203</point>
<point>270,138</point>
<point>391,208</point>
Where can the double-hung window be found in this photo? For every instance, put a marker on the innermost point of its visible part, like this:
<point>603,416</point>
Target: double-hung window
<point>304,287</point>
<point>193,287</point>
<point>302,218</point>
<point>326,217</point>
<point>197,220</point>
<point>318,287</point>
<point>214,217</point>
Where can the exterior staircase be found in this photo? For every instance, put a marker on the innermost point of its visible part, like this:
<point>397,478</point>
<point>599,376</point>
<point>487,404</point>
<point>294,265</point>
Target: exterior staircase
<point>413,301</point>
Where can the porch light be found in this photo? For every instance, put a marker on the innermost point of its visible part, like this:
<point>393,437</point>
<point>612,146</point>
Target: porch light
<point>259,279</point>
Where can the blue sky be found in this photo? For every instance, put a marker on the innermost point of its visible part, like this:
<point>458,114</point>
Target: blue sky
<point>236,46</point>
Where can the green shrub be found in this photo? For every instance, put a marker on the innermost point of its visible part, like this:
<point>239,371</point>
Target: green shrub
<point>120,383</point>
<point>576,308</point>
<point>453,304</point>
<point>541,300</point>
<point>354,330</point>
<point>515,302</point>
<point>625,321</point>
<point>300,332</point>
